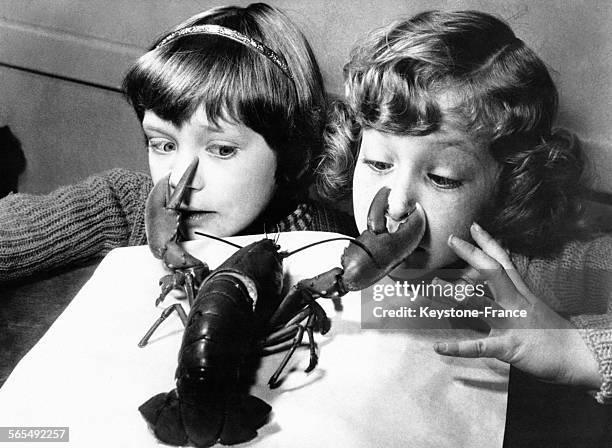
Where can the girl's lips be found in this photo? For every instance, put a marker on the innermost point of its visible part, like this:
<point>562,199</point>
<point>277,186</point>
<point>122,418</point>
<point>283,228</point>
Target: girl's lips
<point>195,215</point>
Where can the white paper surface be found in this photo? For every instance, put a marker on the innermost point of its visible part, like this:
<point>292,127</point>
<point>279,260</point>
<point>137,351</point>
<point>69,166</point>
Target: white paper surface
<point>371,388</point>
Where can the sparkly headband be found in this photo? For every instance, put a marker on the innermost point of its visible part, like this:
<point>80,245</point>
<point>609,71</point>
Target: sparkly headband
<point>234,35</point>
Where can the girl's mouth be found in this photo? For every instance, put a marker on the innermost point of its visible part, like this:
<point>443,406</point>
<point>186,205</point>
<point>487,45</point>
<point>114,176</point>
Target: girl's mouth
<point>194,216</point>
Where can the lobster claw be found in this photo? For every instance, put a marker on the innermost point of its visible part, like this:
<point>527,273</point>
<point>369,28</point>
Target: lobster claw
<point>386,250</point>
<point>162,220</point>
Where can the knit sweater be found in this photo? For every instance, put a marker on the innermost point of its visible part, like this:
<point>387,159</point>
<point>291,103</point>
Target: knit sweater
<point>578,284</point>
<point>86,220</point>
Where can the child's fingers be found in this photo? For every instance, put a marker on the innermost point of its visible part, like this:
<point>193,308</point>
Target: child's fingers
<point>475,256</point>
<point>481,303</point>
<point>476,348</point>
<point>489,269</point>
<point>492,248</point>
<point>471,275</point>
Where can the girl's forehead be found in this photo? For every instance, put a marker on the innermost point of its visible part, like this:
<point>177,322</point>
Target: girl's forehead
<point>199,119</point>
<point>446,137</point>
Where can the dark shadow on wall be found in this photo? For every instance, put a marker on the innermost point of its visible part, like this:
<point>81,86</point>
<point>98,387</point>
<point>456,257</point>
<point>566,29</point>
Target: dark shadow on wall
<point>12,161</point>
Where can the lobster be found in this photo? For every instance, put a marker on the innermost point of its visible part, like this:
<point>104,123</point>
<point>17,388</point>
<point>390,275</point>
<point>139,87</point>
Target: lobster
<point>239,310</point>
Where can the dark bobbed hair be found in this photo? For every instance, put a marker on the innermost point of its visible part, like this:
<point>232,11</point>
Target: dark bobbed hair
<point>469,70</point>
<point>234,82</point>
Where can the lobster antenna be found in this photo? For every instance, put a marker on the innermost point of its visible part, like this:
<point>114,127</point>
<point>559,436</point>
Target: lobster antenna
<point>341,238</point>
<point>218,239</point>
<point>277,235</point>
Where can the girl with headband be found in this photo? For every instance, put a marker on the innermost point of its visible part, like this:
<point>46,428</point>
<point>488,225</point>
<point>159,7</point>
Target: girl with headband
<point>236,88</point>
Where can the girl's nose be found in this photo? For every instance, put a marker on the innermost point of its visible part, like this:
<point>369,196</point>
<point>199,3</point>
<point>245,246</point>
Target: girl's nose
<point>401,216</point>
<point>402,200</point>
<point>401,203</point>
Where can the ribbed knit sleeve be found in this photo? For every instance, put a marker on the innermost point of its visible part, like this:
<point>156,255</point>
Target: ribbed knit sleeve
<point>72,224</point>
<point>578,283</point>
<point>329,220</point>
<point>314,216</point>
<point>596,330</point>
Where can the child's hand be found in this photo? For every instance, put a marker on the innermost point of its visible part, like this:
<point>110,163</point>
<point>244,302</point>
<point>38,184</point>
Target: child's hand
<point>542,343</point>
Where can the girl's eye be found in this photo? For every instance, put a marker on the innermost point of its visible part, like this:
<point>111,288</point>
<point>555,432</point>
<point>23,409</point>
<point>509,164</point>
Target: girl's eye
<point>223,151</point>
<point>377,165</point>
<point>161,145</point>
<point>444,182</point>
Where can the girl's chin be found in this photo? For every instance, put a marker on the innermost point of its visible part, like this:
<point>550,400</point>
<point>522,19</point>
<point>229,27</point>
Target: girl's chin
<point>190,232</point>
<point>415,266</point>
<point>216,228</point>
<point>424,264</point>
<point>421,263</point>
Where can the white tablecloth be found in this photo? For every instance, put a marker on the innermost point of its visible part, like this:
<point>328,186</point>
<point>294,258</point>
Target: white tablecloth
<point>371,388</point>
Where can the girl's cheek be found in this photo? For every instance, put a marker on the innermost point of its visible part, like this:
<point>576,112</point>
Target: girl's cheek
<point>456,219</point>
<point>364,189</point>
<point>157,168</point>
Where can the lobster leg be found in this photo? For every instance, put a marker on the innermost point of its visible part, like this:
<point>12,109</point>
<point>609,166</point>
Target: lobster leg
<point>279,341</point>
<point>269,344</point>
<point>305,292</point>
<point>187,281</point>
<point>297,298</point>
<point>297,341</point>
<point>164,315</point>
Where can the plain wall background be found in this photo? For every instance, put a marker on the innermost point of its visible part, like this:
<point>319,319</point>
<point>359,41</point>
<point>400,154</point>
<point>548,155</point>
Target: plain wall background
<point>69,131</point>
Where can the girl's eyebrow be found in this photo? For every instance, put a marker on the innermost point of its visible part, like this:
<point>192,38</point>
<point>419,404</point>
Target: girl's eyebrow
<point>231,134</point>
<point>452,143</point>
<point>458,152</point>
<point>458,144</point>
<point>227,129</point>
<point>153,128</point>
<point>156,125</point>
<point>215,127</point>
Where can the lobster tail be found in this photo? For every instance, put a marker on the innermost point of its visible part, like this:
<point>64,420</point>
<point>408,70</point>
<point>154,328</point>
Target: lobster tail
<point>203,405</point>
<point>163,416</point>
<point>245,415</point>
<point>229,421</point>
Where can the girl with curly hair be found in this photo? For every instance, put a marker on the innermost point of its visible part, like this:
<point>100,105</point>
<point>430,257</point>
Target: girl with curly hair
<point>453,111</point>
